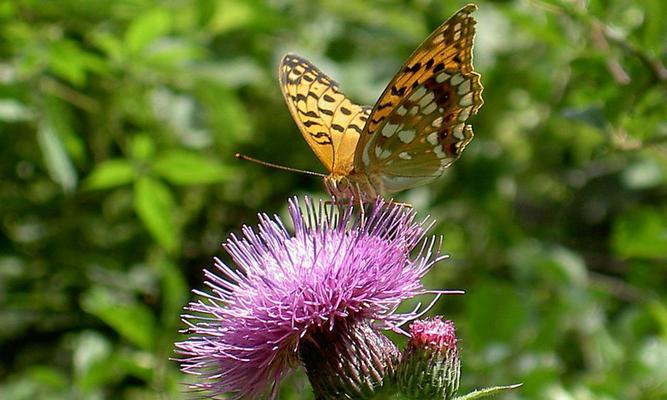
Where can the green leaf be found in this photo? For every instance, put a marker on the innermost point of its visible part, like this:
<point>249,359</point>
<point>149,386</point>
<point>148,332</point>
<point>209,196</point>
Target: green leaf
<point>174,291</point>
<point>63,120</point>
<point>48,377</point>
<point>56,159</point>
<point>91,351</point>
<point>184,167</point>
<point>110,173</point>
<point>70,62</point>
<point>155,206</point>
<point>643,174</point>
<point>168,52</point>
<point>142,147</point>
<point>641,233</point>
<point>146,29</point>
<point>235,73</point>
<point>132,320</point>
<point>110,44</point>
<point>231,15</point>
<point>225,112</point>
<point>12,110</point>
<point>477,394</point>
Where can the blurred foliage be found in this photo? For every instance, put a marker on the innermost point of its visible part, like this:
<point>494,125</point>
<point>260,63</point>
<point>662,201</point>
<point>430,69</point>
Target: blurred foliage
<point>118,125</point>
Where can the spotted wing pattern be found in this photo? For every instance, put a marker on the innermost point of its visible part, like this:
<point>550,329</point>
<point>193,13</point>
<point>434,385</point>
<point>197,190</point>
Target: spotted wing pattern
<point>417,127</point>
<point>329,121</point>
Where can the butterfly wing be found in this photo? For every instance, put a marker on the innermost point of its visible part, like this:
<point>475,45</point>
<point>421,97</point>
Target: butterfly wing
<point>328,120</point>
<point>417,127</point>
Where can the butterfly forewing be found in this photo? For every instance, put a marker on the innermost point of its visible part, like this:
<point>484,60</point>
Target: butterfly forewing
<point>328,120</point>
<point>417,128</point>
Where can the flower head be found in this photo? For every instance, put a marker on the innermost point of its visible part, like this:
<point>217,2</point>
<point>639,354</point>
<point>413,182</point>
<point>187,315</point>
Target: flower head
<point>333,270</point>
<point>435,334</point>
<point>430,367</point>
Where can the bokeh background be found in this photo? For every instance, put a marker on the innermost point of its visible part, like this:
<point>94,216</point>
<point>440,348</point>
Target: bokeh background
<point>118,125</point>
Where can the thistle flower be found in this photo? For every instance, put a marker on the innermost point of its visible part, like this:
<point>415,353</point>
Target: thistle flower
<point>288,290</point>
<point>430,368</point>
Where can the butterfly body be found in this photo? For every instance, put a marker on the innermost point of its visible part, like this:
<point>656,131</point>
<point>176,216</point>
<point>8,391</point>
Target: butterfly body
<point>415,130</point>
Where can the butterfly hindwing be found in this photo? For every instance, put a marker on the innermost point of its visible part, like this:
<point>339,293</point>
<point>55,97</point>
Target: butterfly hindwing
<point>328,120</point>
<point>417,128</point>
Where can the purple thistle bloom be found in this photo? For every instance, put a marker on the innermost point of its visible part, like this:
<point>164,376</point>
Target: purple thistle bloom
<point>247,332</point>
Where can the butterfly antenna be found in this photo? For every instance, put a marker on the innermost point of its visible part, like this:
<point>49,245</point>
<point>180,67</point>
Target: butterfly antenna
<point>276,166</point>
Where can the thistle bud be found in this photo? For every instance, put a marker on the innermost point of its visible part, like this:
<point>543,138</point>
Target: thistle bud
<point>430,366</point>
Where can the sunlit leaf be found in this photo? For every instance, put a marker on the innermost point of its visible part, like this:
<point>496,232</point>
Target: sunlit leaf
<point>166,53</point>
<point>110,173</point>
<point>12,111</point>
<point>142,147</point>
<point>131,320</point>
<point>226,113</point>
<point>184,167</point>
<point>642,174</point>
<point>61,116</point>
<point>641,233</point>
<point>146,28</point>
<point>92,349</point>
<point>155,205</point>
<point>56,159</point>
<point>230,74</point>
<point>72,63</point>
<point>231,15</point>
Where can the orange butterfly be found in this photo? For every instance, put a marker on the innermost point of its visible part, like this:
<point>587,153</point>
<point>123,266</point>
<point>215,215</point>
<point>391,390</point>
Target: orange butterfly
<point>415,130</point>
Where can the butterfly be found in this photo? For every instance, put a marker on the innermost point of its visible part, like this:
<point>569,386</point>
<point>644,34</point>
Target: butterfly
<point>414,131</point>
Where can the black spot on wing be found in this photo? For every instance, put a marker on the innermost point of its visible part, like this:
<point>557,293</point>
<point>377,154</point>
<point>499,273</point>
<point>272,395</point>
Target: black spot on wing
<point>377,121</point>
<point>337,127</point>
<point>355,128</point>
<point>321,137</point>
<point>385,105</point>
<point>414,68</point>
<point>398,92</point>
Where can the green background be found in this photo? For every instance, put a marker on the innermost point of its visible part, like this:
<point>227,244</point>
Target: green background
<point>118,125</point>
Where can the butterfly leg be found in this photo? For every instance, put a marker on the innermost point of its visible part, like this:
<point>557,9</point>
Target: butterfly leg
<point>398,203</point>
<point>362,211</point>
<point>334,202</point>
